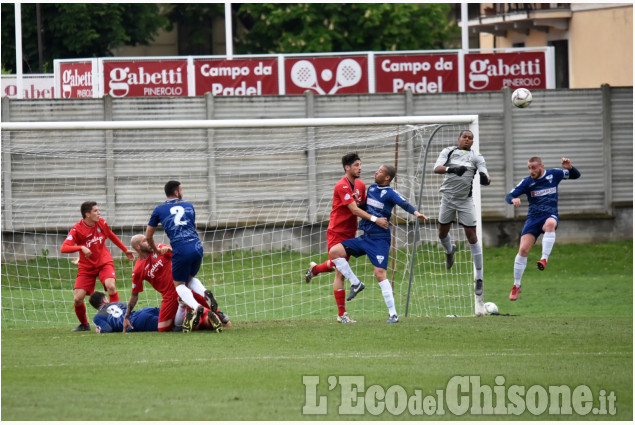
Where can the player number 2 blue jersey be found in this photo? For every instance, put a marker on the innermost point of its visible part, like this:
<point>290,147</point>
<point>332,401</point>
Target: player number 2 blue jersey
<point>178,219</point>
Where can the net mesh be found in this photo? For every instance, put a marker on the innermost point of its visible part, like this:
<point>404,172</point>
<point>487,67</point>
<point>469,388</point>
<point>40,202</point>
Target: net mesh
<point>262,198</point>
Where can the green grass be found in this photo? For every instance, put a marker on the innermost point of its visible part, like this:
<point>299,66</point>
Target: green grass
<point>572,326</point>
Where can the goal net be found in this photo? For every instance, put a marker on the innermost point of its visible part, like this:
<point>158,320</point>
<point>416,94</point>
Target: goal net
<point>262,190</point>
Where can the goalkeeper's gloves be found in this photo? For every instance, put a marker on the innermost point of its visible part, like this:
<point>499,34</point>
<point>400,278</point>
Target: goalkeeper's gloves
<point>457,170</point>
<point>484,179</point>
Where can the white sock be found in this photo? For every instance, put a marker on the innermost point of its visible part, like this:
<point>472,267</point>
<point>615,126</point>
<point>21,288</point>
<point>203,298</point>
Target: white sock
<point>342,265</point>
<point>547,244</point>
<point>477,257</point>
<point>520,263</point>
<point>386,291</point>
<point>186,295</point>
<point>196,286</point>
<point>447,243</point>
<point>180,315</point>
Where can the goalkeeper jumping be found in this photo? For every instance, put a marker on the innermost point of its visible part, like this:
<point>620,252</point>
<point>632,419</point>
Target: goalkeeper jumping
<point>460,164</point>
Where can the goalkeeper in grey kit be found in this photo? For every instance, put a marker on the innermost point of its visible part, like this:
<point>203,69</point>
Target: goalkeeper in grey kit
<point>460,164</point>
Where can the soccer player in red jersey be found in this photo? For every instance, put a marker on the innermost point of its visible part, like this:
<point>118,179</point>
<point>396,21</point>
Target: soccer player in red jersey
<point>157,270</point>
<point>88,237</point>
<point>349,194</point>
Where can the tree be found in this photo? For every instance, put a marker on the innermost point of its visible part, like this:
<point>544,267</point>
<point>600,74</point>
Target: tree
<point>337,27</point>
<point>77,30</point>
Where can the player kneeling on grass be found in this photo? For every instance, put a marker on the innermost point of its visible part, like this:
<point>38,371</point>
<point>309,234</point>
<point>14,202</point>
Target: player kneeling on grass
<point>375,242</point>
<point>541,188</point>
<point>109,317</point>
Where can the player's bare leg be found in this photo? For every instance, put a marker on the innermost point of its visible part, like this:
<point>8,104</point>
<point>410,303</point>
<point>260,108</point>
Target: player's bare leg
<point>548,240</point>
<point>520,263</point>
<point>109,284</point>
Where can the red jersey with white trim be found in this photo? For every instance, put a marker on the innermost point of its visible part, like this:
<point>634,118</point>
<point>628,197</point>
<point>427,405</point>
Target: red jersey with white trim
<point>94,238</point>
<point>156,269</point>
<point>343,221</point>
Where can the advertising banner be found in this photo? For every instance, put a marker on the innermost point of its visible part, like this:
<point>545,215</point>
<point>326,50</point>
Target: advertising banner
<point>417,73</point>
<point>76,79</point>
<point>497,70</point>
<point>327,75</point>
<point>129,78</point>
<point>40,86</point>
<point>243,77</point>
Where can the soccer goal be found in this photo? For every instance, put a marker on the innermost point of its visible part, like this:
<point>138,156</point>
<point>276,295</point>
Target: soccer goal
<point>262,190</point>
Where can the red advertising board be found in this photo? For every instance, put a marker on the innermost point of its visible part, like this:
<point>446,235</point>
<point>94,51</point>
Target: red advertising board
<point>76,79</point>
<point>145,78</point>
<point>417,73</point>
<point>242,77</point>
<point>497,70</point>
<point>327,75</point>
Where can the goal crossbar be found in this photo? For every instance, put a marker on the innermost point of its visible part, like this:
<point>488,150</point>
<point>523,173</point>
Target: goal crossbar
<point>244,123</point>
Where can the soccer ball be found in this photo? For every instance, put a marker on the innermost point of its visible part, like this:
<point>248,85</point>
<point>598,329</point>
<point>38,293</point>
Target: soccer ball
<point>490,308</point>
<point>521,98</point>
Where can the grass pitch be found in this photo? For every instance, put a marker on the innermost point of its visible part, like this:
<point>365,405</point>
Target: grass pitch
<point>571,327</point>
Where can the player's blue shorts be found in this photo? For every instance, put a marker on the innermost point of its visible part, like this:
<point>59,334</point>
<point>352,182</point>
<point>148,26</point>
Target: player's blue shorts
<point>534,226</point>
<point>145,320</point>
<point>186,259</point>
<point>377,250</point>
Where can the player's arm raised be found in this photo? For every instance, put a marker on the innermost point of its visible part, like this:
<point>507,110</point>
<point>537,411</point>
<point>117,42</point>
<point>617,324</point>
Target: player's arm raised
<point>150,238</point>
<point>380,221</point>
<point>573,172</point>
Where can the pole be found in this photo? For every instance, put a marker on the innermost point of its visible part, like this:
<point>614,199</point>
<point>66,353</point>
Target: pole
<point>465,39</point>
<point>18,50</point>
<point>229,42</point>
<point>394,216</point>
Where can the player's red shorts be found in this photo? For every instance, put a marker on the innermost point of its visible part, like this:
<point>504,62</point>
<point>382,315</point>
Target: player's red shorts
<point>333,239</point>
<point>86,278</point>
<point>169,306</point>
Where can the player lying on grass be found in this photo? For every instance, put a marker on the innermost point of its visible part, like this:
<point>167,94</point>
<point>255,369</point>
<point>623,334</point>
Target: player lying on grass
<point>157,270</point>
<point>375,242</point>
<point>110,316</point>
<point>541,188</point>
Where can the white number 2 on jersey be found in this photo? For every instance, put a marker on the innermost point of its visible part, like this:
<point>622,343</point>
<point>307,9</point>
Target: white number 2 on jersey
<point>178,213</point>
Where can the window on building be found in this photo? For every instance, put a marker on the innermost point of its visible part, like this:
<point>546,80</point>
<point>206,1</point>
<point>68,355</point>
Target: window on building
<point>561,48</point>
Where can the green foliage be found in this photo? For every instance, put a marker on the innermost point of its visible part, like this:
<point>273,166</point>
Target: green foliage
<point>338,27</point>
<point>77,30</point>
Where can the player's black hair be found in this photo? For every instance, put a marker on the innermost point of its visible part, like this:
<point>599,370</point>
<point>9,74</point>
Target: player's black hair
<point>170,187</point>
<point>463,131</point>
<point>87,207</point>
<point>349,159</point>
<point>96,299</point>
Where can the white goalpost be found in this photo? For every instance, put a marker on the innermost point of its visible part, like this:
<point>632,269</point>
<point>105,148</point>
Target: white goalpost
<point>262,190</point>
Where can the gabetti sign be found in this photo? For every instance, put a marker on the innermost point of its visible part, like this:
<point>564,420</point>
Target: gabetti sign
<point>421,72</point>
<point>495,71</point>
<point>38,86</point>
<point>76,79</point>
<point>246,77</point>
<point>417,73</point>
<point>145,78</point>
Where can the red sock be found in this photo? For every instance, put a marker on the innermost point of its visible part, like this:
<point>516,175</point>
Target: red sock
<point>323,268</point>
<point>80,312</point>
<point>113,297</point>
<point>340,300</point>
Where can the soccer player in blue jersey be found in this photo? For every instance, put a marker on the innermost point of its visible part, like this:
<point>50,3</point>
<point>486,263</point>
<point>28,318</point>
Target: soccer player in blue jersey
<point>459,164</point>
<point>375,242</point>
<point>541,188</point>
<point>110,316</point>
<point>179,222</point>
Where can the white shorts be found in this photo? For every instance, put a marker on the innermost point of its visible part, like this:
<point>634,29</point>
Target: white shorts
<point>463,207</point>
